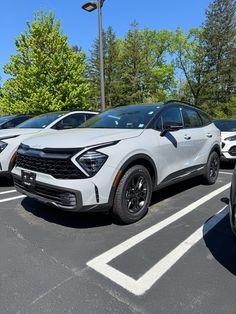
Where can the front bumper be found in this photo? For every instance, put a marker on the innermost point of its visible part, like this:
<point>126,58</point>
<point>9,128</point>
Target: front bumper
<point>229,151</point>
<point>63,199</point>
<point>81,195</point>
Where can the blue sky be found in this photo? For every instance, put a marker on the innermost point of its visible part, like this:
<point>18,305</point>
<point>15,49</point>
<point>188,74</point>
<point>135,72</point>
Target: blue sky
<point>81,26</point>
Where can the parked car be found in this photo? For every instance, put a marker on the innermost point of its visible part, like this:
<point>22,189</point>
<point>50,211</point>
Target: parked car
<point>228,138</point>
<point>118,158</point>
<point>10,139</point>
<point>232,203</point>
<point>12,121</point>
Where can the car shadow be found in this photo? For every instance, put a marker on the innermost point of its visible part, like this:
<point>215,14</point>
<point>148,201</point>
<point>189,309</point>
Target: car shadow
<point>6,181</point>
<point>222,244</point>
<point>175,189</point>
<point>227,165</point>
<point>64,218</point>
<point>92,220</point>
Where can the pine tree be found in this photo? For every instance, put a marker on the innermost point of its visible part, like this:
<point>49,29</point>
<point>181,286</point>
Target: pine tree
<point>111,69</point>
<point>46,73</point>
<point>219,33</point>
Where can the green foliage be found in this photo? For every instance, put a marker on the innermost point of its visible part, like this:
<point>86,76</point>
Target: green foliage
<point>147,66</point>
<point>46,73</point>
<point>136,70</point>
<point>190,58</point>
<point>111,48</point>
<point>219,44</point>
<point>219,35</point>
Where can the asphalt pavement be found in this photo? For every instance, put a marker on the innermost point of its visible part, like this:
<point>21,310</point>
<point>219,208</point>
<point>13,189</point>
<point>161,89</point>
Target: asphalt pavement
<point>180,258</point>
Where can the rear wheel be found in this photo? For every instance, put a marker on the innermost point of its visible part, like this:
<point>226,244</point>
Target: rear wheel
<point>133,195</point>
<point>212,168</point>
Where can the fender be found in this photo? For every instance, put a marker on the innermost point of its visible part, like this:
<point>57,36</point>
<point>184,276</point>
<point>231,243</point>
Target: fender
<point>141,159</point>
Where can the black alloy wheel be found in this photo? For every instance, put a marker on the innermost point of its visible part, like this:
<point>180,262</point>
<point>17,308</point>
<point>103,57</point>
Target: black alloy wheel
<point>133,195</point>
<point>212,168</point>
<point>136,193</point>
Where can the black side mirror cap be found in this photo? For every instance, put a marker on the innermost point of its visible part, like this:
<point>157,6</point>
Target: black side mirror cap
<point>169,127</point>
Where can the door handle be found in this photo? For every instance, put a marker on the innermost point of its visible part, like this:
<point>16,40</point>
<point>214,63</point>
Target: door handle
<point>187,137</point>
<point>209,135</point>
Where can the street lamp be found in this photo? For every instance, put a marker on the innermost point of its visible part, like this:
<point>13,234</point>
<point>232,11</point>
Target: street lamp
<point>89,7</point>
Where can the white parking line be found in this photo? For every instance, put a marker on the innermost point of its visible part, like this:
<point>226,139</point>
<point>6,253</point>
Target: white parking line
<point>11,198</point>
<point>224,172</point>
<point>140,286</point>
<point>6,192</point>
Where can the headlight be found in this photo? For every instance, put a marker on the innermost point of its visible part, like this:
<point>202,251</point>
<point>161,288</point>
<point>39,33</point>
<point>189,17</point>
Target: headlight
<point>3,145</point>
<point>92,161</point>
<point>231,138</point>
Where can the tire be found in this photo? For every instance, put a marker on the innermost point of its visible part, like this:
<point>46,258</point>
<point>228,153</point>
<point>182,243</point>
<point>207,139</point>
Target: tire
<point>131,199</point>
<point>212,168</point>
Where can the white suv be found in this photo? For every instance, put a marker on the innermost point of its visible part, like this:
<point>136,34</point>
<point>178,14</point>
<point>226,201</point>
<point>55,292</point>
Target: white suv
<point>118,158</point>
<point>228,138</point>
<point>10,139</point>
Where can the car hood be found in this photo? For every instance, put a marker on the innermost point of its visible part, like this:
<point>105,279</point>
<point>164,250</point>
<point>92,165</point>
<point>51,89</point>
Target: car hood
<point>227,134</point>
<point>16,132</point>
<point>79,138</point>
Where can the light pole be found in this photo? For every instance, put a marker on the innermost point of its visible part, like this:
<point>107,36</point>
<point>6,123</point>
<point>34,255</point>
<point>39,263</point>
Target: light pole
<point>89,7</point>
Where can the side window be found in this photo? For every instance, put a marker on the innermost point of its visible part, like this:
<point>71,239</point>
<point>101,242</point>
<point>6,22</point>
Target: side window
<point>172,117</point>
<point>88,116</point>
<point>205,118</point>
<point>191,118</point>
<point>72,121</point>
<point>19,120</point>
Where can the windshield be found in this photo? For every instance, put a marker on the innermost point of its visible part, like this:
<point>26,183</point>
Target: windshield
<point>226,125</point>
<point>5,119</point>
<point>129,117</point>
<point>41,122</point>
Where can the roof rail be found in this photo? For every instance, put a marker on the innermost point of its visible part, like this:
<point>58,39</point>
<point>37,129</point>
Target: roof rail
<point>179,101</point>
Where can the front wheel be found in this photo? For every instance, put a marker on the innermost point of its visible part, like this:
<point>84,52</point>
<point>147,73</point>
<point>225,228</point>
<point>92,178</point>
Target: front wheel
<point>212,168</point>
<point>133,195</point>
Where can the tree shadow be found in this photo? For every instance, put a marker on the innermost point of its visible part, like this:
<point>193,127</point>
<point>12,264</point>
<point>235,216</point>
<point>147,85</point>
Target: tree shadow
<point>64,218</point>
<point>222,244</point>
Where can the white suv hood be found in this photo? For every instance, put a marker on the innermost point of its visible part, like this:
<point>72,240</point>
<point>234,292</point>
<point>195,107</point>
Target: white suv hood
<point>79,138</point>
<point>16,132</point>
<point>227,134</point>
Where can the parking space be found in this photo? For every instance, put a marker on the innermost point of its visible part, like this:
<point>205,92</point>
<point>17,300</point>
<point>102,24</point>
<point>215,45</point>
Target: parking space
<point>179,258</point>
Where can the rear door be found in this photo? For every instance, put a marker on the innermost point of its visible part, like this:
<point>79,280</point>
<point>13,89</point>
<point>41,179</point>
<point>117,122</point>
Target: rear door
<point>193,129</point>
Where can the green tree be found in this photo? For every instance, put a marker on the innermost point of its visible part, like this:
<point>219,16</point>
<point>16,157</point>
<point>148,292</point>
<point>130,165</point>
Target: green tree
<point>190,59</point>
<point>46,73</point>
<point>219,34</point>
<point>145,74</point>
<point>111,69</point>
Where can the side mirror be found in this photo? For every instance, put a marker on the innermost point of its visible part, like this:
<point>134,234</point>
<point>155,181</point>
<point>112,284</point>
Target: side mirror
<point>61,126</point>
<point>170,127</point>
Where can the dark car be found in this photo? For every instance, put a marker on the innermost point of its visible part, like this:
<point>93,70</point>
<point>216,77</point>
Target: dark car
<point>232,203</point>
<point>8,122</point>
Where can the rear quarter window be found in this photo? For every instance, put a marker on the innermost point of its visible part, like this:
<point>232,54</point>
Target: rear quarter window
<point>206,120</point>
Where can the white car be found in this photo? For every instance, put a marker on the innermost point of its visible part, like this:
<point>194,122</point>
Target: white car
<point>117,159</point>
<point>228,138</point>
<point>10,139</point>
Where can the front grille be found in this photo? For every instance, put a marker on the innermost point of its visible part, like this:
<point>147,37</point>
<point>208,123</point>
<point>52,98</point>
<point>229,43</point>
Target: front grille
<point>232,151</point>
<point>56,167</point>
<point>61,198</point>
